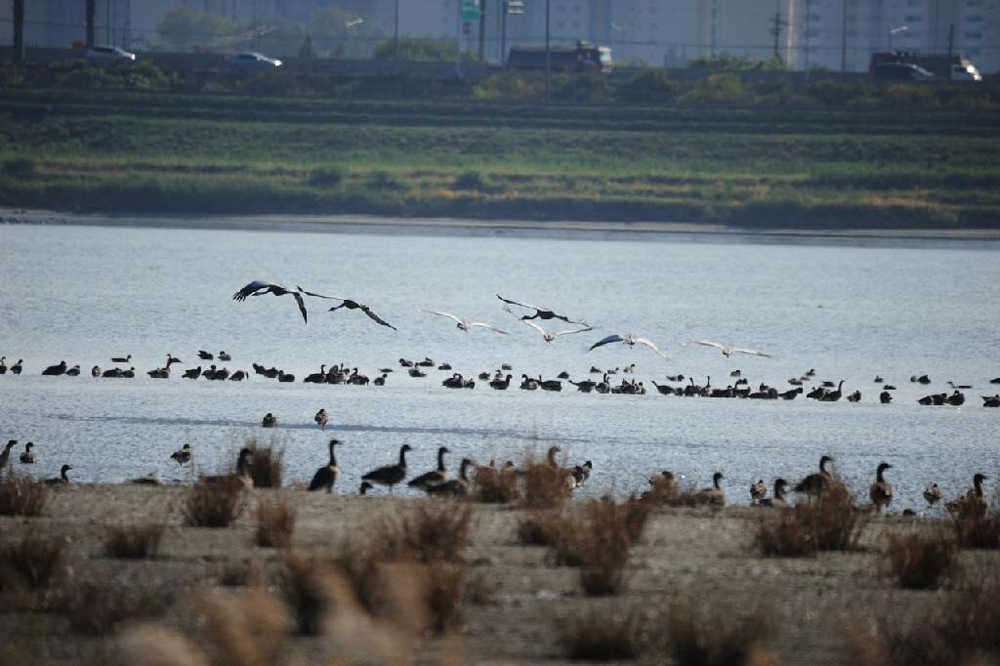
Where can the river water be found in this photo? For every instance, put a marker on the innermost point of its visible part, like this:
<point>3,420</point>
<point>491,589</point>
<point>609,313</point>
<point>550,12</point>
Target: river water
<point>850,310</point>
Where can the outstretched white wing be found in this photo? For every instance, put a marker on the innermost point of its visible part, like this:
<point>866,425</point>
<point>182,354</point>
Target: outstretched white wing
<point>749,352</point>
<point>479,324</point>
<point>444,314</point>
<point>651,345</point>
<point>534,326</point>
<point>709,343</point>
<point>575,330</point>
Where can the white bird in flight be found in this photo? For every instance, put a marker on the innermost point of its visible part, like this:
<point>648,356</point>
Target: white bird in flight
<point>728,350</point>
<point>552,335</point>
<point>630,340</point>
<point>465,324</point>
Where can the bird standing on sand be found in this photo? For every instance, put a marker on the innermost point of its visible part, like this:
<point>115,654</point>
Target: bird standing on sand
<point>881,491</point>
<point>630,340</point>
<point>326,476</point>
<point>433,477</point>
<point>259,288</point>
<point>182,455</point>
<point>814,484</point>
<point>456,487</point>
<point>390,475</point>
<point>466,324</point>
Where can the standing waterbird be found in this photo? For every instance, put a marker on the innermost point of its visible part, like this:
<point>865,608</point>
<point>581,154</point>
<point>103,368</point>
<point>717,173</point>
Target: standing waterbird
<point>326,476</point>
<point>27,457</point>
<point>814,484</point>
<point>466,324</point>
<point>5,454</point>
<point>182,455</point>
<point>758,491</point>
<point>62,478</point>
<point>728,350</point>
<point>932,494</point>
<point>630,340</point>
<point>390,475</point>
<point>433,477</point>
<point>321,418</point>
<point>259,288</point>
<point>881,491</point>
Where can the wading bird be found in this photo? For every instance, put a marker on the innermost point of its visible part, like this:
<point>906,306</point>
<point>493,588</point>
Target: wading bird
<point>728,350</point>
<point>540,313</point>
<point>465,324</point>
<point>549,336</point>
<point>631,341</point>
<point>259,288</point>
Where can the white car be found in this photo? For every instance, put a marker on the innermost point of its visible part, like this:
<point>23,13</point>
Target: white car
<point>253,60</point>
<point>110,53</point>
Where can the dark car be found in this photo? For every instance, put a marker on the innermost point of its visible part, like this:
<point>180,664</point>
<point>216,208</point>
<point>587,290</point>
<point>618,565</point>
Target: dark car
<point>900,71</point>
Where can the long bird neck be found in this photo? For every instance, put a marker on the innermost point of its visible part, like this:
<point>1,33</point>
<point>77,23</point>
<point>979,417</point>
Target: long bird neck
<point>977,485</point>
<point>440,461</point>
<point>63,474</point>
<point>779,491</point>
<point>462,470</point>
<point>552,457</point>
<point>402,457</point>
<point>333,455</point>
<point>878,475</point>
<point>715,483</point>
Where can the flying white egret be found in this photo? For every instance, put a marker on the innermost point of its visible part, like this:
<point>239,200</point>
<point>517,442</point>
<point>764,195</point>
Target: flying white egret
<point>466,324</point>
<point>552,335</point>
<point>728,350</point>
<point>630,340</point>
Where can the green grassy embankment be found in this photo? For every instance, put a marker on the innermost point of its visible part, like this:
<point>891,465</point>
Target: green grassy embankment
<point>750,167</point>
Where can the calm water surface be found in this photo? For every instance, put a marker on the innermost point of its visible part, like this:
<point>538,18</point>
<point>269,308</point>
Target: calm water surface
<point>85,294</point>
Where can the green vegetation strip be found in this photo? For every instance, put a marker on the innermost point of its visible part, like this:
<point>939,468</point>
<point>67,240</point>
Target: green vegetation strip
<point>776,168</point>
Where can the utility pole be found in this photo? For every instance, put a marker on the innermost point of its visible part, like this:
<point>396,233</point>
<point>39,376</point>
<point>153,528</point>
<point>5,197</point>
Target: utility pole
<point>843,40</point>
<point>776,25</point>
<point>91,14</point>
<point>548,53</point>
<point>19,31</point>
<point>482,29</point>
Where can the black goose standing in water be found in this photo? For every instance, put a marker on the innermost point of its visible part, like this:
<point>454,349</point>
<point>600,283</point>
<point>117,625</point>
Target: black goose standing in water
<point>390,475</point>
<point>326,476</point>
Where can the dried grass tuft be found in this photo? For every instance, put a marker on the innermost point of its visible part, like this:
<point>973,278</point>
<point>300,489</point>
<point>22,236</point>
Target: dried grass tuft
<point>133,542</point>
<point>601,635</point>
<point>829,523</point>
<point>433,531</point>
<point>710,634</point>
<point>96,608</point>
<point>267,465</point>
<point>275,524</point>
<point>215,503</point>
<point>20,495</point>
<point>30,564</point>
<point>247,629</point>
<point>496,486</point>
<point>977,525</point>
<point>922,562</point>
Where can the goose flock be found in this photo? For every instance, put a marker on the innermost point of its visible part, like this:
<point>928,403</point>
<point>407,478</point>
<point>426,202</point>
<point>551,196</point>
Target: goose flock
<point>499,379</point>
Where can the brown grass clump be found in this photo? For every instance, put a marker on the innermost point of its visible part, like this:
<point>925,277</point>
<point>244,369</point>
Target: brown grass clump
<point>247,629</point>
<point>133,542</point>
<point>150,644</point>
<point>829,523</point>
<point>711,635</point>
<point>977,526</point>
<point>307,591</point>
<point>445,591</point>
<point>267,465</point>
<point>434,531</point>
<point>545,486</point>
<point>964,629</point>
<point>97,607</point>
<point>922,562</point>
<point>539,527</point>
<point>30,564</point>
<point>601,636</point>
<point>215,503</point>
<point>496,486</point>
<point>275,524</point>
<point>20,496</point>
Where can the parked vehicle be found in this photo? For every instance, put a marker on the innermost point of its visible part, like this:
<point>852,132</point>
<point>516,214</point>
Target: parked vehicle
<point>898,71</point>
<point>253,60</point>
<point>110,54</point>
<point>583,57</point>
<point>944,67</point>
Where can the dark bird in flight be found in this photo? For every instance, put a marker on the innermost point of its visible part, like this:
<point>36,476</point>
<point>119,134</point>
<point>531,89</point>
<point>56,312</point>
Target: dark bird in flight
<point>259,288</point>
<point>540,313</point>
<point>631,341</point>
<point>354,305</point>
